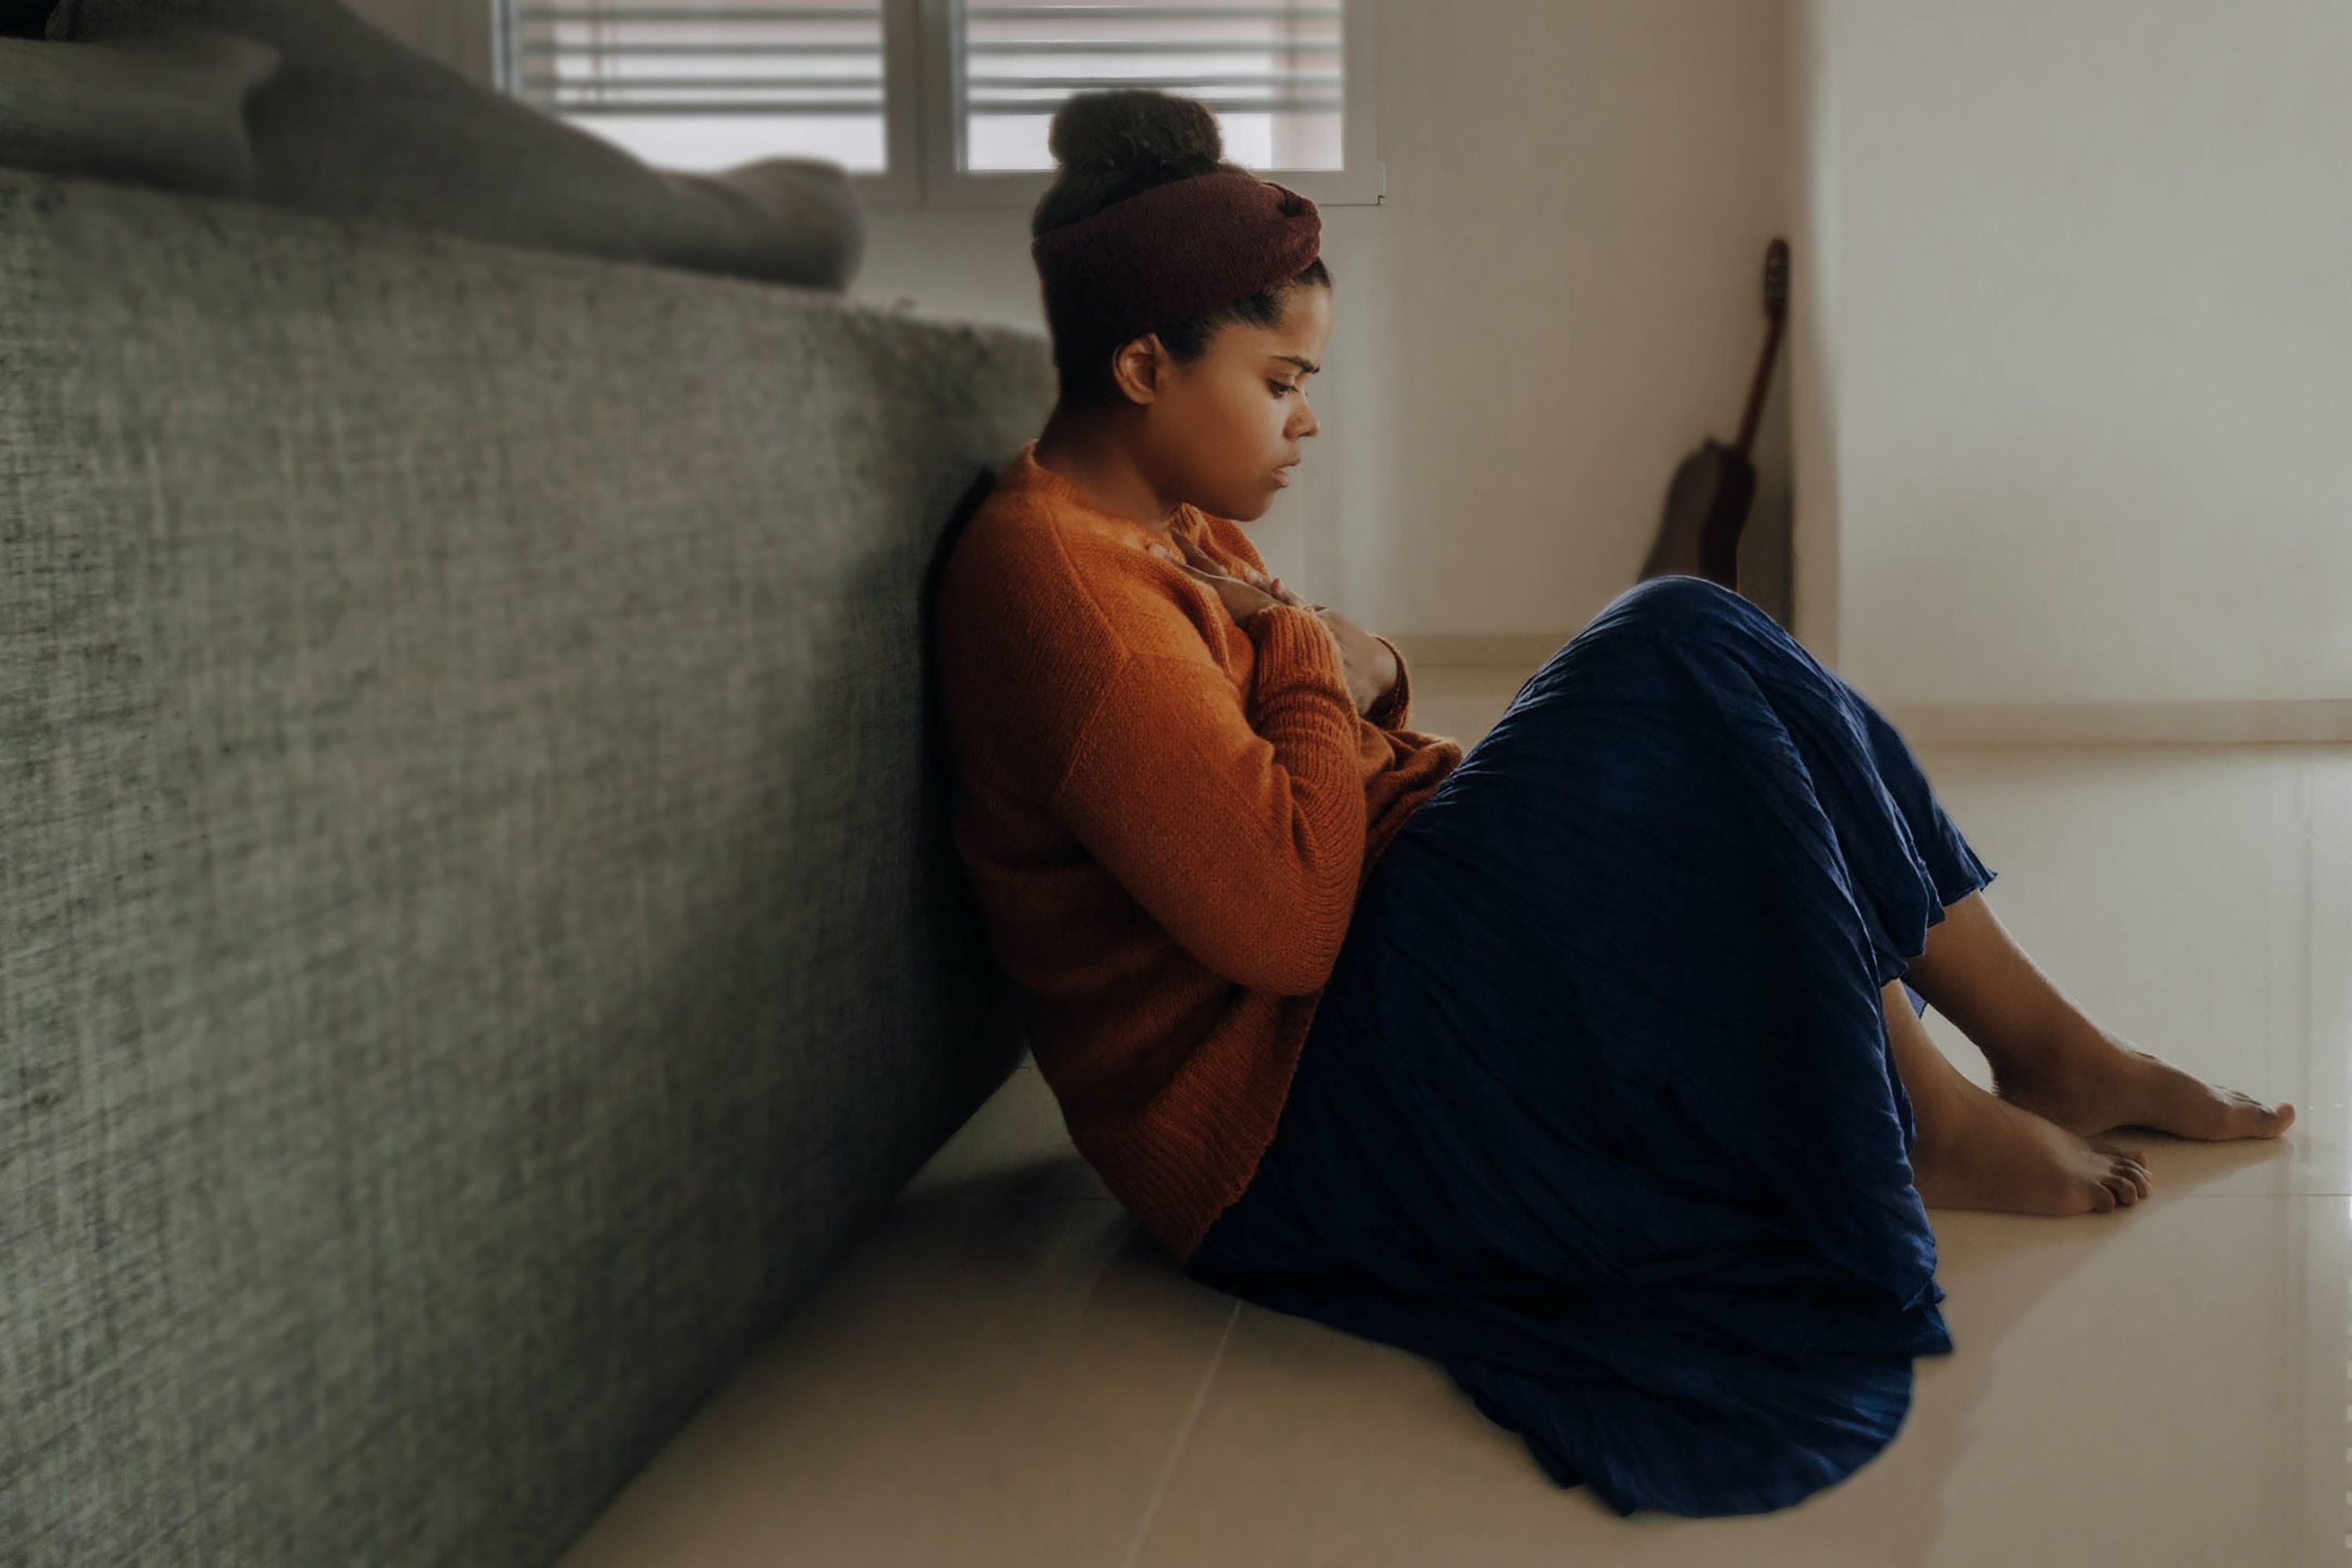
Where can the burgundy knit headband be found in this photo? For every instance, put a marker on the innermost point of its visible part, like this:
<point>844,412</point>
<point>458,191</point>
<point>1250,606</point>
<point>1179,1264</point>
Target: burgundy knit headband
<point>1173,251</point>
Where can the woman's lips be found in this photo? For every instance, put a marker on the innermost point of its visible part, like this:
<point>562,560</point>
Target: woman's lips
<point>1282,476</point>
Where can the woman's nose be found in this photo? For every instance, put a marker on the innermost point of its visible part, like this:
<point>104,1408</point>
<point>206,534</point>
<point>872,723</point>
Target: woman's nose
<point>1306,424</point>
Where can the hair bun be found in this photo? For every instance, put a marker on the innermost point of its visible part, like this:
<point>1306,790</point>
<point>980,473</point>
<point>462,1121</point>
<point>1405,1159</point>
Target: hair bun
<point>1136,131</point>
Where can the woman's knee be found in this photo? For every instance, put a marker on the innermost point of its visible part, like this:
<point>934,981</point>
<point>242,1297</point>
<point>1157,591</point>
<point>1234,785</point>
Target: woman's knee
<point>1674,611</point>
<point>1680,599</point>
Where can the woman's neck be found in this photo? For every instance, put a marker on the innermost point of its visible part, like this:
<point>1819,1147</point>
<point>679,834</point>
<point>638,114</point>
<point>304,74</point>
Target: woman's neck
<point>1085,449</point>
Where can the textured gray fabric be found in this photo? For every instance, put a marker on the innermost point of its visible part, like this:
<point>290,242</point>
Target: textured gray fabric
<point>166,111</point>
<point>477,930</point>
<point>25,19</point>
<point>356,124</point>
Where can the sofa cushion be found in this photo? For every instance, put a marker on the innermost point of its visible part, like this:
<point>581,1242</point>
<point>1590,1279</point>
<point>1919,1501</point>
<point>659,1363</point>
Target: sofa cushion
<point>356,125</point>
<point>164,111</point>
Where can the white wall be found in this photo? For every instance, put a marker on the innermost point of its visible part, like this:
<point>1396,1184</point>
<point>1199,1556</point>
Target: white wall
<point>1560,296</point>
<point>1815,247</point>
<point>2080,277</point>
<point>1580,196</point>
<point>2071,345</point>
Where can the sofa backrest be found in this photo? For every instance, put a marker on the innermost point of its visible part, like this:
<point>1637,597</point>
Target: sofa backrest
<point>478,935</point>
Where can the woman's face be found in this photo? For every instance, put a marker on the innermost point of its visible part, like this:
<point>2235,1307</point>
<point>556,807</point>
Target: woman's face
<point>1223,432</point>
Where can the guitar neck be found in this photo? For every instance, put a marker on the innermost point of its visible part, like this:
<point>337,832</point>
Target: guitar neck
<point>1757,388</point>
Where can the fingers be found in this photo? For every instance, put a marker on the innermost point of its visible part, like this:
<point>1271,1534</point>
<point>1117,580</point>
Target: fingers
<point>1189,559</point>
<point>1223,586</point>
<point>1240,599</point>
<point>1256,587</point>
<point>1208,563</point>
<point>1211,575</point>
<point>1191,555</point>
<point>1266,583</point>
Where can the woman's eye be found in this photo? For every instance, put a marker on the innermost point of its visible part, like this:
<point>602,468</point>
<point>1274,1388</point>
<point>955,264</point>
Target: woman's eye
<point>1281,387</point>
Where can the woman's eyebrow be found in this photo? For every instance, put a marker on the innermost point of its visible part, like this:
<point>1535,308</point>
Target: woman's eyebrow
<point>1308,365</point>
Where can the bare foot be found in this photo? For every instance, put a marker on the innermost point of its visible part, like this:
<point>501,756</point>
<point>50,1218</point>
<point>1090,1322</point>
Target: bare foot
<point>2095,1080</point>
<point>1979,1153</point>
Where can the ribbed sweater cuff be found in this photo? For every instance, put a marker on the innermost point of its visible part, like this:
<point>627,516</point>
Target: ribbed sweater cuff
<point>1294,648</point>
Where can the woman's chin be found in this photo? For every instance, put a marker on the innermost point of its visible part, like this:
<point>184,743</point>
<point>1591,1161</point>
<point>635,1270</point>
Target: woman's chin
<point>1247,508</point>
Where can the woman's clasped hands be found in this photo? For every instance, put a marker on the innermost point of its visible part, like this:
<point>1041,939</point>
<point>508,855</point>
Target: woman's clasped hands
<point>1370,667</point>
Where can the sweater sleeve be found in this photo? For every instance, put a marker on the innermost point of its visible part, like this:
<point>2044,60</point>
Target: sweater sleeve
<point>1242,834</point>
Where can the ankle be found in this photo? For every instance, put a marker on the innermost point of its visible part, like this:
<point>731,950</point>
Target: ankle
<point>2041,1040</point>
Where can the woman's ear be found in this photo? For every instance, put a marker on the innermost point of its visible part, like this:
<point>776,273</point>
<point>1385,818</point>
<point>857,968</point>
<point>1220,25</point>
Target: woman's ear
<point>1136,368</point>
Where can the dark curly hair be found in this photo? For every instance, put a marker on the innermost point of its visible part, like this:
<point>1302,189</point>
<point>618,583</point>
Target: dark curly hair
<point>1108,146</point>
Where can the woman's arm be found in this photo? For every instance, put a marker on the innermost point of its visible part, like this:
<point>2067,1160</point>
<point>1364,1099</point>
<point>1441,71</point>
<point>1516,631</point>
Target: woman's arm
<point>1373,666</point>
<point>1240,833</point>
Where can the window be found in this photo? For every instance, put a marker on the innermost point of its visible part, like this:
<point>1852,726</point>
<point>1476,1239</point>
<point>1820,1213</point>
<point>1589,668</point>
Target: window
<point>944,102</point>
<point>706,83</point>
<point>1272,73</point>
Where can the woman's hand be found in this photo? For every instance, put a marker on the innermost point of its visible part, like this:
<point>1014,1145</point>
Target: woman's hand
<point>1243,599</point>
<point>1370,669</point>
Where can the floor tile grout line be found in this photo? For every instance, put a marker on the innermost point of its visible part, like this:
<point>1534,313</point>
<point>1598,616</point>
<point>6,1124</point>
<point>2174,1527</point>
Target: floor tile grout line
<point>1184,1437</point>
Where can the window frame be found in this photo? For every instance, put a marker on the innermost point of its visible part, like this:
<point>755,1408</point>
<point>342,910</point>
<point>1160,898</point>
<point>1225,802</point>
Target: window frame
<point>902,127</point>
<point>945,185</point>
<point>921,130</point>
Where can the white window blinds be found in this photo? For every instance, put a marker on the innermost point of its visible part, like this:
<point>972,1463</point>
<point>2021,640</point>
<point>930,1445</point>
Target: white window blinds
<point>1271,73</point>
<point>703,84</point>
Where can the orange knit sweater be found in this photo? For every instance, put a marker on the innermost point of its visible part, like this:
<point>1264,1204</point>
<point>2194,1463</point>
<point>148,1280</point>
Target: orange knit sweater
<point>1165,819</point>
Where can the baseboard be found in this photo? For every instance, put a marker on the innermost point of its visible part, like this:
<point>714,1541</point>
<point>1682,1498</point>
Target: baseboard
<point>1514,655</point>
<point>1478,649</point>
<point>2304,721</point>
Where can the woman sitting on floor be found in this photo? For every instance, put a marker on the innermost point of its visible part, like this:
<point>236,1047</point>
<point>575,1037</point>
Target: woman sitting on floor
<point>1585,1064</point>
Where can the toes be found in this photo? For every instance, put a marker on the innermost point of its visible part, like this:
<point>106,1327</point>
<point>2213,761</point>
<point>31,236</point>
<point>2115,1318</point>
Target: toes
<point>2127,1177</point>
<point>2122,1176</point>
<point>2244,1116</point>
<point>2134,1169</point>
<point>2250,1118</point>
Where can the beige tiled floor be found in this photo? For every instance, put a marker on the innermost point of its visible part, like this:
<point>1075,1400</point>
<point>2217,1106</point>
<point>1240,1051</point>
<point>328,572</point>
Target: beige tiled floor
<point>1006,1372</point>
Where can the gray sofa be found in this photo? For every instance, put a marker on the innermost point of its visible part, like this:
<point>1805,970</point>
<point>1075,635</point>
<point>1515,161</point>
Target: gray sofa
<point>478,932</point>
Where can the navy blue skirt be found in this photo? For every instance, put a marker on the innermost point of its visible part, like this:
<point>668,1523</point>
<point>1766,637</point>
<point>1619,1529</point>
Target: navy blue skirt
<point>1597,1108</point>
